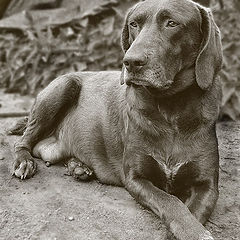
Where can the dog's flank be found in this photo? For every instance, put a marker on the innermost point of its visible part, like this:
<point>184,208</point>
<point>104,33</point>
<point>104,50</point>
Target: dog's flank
<point>149,128</point>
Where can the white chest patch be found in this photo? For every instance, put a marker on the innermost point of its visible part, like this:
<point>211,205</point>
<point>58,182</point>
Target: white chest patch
<point>169,166</point>
<point>170,171</point>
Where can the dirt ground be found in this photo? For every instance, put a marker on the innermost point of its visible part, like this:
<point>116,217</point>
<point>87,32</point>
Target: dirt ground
<point>52,205</point>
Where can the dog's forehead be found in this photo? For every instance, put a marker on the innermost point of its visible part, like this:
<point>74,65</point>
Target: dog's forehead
<point>183,11</point>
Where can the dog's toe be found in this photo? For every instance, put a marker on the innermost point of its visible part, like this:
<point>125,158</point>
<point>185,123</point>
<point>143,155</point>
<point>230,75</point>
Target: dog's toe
<point>79,170</point>
<point>82,173</point>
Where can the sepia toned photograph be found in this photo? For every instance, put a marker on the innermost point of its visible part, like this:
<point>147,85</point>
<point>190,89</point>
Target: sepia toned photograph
<point>120,119</point>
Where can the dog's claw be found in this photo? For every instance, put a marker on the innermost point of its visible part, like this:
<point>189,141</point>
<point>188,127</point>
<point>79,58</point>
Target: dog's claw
<point>24,168</point>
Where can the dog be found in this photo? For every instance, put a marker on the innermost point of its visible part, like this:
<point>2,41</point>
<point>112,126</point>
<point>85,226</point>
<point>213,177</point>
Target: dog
<point>150,127</point>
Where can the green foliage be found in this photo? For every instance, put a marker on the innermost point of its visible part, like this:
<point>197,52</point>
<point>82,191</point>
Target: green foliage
<point>35,50</point>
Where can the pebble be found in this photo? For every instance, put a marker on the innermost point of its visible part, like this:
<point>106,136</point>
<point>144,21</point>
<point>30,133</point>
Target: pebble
<point>70,218</point>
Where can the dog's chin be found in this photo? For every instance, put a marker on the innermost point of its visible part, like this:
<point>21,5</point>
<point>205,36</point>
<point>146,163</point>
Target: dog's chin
<point>156,90</point>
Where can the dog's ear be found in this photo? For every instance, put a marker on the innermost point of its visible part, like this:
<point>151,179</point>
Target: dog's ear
<point>125,41</point>
<point>122,75</point>
<point>125,31</point>
<point>209,60</point>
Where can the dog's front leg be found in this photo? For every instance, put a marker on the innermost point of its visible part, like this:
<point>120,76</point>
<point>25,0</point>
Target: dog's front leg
<point>204,199</point>
<point>205,193</point>
<point>176,215</point>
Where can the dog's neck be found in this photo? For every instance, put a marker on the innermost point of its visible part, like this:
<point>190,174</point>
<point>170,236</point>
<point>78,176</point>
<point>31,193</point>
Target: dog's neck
<point>178,101</point>
<point>173,100</point>
<point>150,113</point>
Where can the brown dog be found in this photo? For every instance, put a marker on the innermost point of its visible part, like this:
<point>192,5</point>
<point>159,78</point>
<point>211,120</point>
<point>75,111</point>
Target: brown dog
<point>155,133</point>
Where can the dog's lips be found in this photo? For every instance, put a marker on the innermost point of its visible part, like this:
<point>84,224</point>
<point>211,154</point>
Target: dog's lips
<point>138,82</point>
<point>141,82</point>
<point>150,82</point>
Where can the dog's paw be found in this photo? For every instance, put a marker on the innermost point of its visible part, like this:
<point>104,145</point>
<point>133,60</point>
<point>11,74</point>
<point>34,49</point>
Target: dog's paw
<point>189,228</point>
<point>24,167</point>
<point>79,170</point>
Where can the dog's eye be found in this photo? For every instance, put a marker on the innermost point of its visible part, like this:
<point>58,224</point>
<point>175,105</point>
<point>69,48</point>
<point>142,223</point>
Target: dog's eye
<point>171,24</point>
<point>133,24</point>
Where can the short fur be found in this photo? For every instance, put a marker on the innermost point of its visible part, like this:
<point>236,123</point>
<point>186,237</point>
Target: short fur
<point>155,133</point>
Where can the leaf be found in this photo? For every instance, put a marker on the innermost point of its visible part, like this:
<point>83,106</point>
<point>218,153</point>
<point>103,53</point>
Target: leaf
<point>80,66</point>
<point>106,25</point>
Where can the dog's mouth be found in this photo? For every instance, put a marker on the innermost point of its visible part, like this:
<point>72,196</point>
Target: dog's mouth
<point>150,83</point>
<point>137,83</point>
<point>155,91</point>
<point>149,79</point>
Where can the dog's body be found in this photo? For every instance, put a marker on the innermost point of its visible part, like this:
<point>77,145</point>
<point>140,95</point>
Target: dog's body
<point>154,135</point>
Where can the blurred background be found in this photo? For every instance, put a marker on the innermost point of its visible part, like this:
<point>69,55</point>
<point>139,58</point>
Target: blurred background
<point>42,39</point>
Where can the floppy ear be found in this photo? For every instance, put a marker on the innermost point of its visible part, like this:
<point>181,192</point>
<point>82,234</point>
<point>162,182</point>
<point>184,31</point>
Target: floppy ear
<point>125,31</point>
<point>125,40</point>
<point>209,60</point>
<point>122,75</point>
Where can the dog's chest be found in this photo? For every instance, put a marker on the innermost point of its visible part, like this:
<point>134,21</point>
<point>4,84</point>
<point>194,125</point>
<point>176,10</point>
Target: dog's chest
<point>174,162</point>
<point>170,158</point>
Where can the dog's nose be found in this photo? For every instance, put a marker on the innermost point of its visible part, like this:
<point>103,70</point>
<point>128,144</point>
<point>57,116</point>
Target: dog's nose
<point>134,63</point>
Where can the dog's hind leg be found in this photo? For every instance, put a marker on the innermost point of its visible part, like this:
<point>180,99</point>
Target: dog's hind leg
<point>49,109</point>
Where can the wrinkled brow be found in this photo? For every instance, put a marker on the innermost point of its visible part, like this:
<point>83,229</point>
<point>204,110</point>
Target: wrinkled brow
<point>139,16</point>
<point>181,17</point>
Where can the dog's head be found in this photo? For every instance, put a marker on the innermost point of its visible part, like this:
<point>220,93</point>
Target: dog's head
<point>169,45</point>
